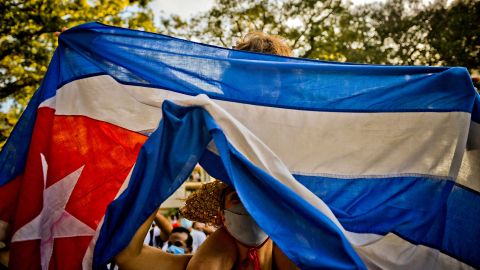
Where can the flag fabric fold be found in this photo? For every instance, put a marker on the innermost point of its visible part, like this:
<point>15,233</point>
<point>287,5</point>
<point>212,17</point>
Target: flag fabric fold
<point>344,166</point>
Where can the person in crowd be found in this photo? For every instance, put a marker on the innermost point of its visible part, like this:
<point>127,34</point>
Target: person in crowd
<point>231,246</point>
<point>226,248</point>
<point>139,256</point>
<point>159,231</point>
<point>153,237</point>
<point>180,241</point>
<point>175,220</point>
<point>198,235</point>
<point>239,243</point>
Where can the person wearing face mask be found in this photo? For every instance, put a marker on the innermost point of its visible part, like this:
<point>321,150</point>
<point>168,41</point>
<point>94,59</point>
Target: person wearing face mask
<point>138,255</point>
<point>243,228</point>
<point>239,243</point>
<point>179,242</point>
<point>196,231</point>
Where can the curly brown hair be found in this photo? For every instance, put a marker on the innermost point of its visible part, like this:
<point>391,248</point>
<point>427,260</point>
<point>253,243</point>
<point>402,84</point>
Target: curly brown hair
<point>261,42</point>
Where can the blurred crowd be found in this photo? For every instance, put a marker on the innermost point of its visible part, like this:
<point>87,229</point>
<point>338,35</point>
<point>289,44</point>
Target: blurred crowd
<point>176,234</point>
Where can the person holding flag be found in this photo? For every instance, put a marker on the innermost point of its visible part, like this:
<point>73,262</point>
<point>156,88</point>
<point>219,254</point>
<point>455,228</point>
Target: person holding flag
<point>222,250</point>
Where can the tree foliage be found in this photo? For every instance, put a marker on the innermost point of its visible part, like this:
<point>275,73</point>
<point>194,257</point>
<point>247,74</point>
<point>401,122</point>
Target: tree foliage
<point>412,32</point>
<point>454,32</point>
<point>391,32</point>
<point>305,24</point>
<point>27,41</point>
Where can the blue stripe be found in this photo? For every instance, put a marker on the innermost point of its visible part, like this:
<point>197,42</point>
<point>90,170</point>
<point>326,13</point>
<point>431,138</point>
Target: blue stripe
<point>435,213</point>
<point>254,102</point>
<point>153,60</point>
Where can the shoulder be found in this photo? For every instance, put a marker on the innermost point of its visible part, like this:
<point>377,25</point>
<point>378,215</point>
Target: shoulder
<point>281,260</point>
<point>218,252</point>
<point>154,259</point>
<point>220,242</point>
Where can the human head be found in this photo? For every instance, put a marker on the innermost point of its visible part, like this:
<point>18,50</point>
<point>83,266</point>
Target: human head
<point>208,203</point>
<point>229,198</point>
<point>180,237</point>
<point>260,42</point>
<point>238,222</point>
<point>219,204</point>
<point>199,226</point>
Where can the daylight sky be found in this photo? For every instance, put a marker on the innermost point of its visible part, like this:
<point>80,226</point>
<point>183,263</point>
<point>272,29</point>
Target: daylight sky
<point>185,8</point>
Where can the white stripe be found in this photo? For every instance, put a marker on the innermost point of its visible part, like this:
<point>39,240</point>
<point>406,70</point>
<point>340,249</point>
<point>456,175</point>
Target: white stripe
<point>473,136</point>
<point>393,252</point>
<point>50,103</point>
<point>469,174</point>
<point>353,145</point>
<point>102,98</point>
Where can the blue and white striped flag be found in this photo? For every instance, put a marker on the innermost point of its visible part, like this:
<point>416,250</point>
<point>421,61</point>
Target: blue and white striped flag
<point>344,166</point>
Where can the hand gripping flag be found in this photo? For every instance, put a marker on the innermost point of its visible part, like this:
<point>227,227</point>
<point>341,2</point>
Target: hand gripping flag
<point>344,166</point>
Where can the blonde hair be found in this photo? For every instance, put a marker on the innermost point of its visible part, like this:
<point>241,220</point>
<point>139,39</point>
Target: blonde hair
<point>261,42</point>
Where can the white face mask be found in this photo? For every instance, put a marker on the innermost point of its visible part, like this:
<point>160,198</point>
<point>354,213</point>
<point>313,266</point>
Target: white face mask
<point>243,227</point>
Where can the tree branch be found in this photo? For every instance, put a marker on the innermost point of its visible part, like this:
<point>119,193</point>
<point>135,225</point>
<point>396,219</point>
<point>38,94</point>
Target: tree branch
<point>11,88</point>
<point>310,51</point>
<point>307,26</point>
<point>223,42</point>
<point>237,22</point>
<point>310,21</point>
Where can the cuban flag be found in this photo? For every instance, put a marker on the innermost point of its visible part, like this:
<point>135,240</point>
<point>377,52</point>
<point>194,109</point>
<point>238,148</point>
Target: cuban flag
<point>344,166</point>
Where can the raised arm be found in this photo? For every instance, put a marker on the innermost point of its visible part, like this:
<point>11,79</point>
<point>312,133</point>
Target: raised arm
<point>164,225</point>
<point>139,256</point>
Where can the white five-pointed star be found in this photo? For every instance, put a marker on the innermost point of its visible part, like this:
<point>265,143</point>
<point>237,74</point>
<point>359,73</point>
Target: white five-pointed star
<point>53,221</point>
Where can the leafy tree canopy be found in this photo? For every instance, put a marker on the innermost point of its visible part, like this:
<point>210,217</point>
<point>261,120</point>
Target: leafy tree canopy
<point>392,32</point>
<point>27,41</point>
